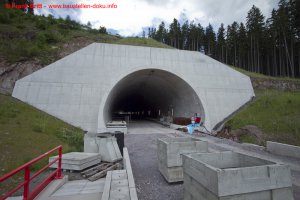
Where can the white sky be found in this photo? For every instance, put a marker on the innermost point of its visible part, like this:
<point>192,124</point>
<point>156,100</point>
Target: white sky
<point>131,16</point>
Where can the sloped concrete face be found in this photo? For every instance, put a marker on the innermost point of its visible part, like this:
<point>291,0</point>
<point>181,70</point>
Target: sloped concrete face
<point>85,87</point>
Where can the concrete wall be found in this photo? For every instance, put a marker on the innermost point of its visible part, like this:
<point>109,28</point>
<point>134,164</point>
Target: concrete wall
<point>283,149</point>
<point>211,174</point>
<point>77,88</point>
<point>169,154</point>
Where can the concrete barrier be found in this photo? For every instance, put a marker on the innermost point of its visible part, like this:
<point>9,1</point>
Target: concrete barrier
<point>230,175</point>
<point>169,152</point>
<point>283,149</point>
<point>119,184</point>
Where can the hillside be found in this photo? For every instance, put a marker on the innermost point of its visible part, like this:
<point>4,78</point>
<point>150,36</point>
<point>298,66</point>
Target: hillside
<point>273,115</point>
<point>29,42</point>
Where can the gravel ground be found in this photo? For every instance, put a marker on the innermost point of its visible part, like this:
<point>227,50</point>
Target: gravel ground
<point>149,182</point>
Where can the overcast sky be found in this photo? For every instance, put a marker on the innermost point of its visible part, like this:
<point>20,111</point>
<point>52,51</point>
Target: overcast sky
<point>131,16</point>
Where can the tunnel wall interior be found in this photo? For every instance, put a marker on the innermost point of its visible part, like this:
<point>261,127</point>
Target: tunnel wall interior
<point>152,93</point>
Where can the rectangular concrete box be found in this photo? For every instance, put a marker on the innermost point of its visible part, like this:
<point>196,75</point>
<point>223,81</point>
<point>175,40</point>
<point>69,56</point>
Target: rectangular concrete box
<point>169,152</point>
<point>77,160</point>
<point>234,176</point>
<point>283,149</point>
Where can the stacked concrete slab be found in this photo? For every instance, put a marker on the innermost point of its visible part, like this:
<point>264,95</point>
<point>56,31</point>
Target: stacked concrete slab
<point>119,184</point>
<point>77,160</point>
<point>169,151</point>
<point>234,176</point>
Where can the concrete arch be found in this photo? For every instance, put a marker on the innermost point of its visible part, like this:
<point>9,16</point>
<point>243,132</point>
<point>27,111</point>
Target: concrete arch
<point>151,89</point>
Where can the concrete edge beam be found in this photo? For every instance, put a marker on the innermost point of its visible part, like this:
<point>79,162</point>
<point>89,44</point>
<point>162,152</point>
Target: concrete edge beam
<point>283,149</point>
<point>128,168</point>
<point>106,190</point>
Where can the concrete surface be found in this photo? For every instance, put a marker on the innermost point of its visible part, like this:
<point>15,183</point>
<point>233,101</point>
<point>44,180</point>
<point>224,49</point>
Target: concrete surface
<point>283,149</point>
<point>119,184</point>
<point>73,190</point>
<point>85,88</point>
<point>76,160</point>
<point>234,175</point>
<point>105,145</point>
<point>80,187</point>
<point>169,151</point>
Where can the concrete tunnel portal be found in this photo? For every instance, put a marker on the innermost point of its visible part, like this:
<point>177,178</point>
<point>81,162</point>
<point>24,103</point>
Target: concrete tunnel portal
<point>152,93</point>
<point>87,88</point>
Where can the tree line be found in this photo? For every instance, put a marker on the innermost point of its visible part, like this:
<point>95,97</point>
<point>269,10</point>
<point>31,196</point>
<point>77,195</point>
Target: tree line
<point>269,46</point>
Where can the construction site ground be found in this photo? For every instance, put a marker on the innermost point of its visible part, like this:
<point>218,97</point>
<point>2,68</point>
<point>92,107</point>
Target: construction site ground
<point>151,185</point>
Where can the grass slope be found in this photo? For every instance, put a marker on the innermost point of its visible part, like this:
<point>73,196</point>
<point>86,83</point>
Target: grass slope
<point>27,132</point>
<point>27,37</point>
<point>149,42</point>
<point>262,76</point>
<point>276,113</point>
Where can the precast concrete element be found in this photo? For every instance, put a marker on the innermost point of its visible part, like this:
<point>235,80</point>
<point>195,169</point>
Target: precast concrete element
<point>127,167</point>
<point>119,184</point>
<point>283,149</point>
<point>89,86</point>
<point>104,144</point>
<point>169,151</point>
<point>76,160</point>
<point>234,176</point>
<point>117,126</point>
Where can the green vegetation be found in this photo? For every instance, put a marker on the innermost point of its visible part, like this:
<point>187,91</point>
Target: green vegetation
<point>141,42</point>
<point>26,36</point>
<point>262,76</point>
<point>276,113</point>
<point>27,132</point>
<point>265,45</point>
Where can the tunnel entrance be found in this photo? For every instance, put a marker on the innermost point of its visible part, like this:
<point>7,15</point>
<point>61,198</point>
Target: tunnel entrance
<point>152,93</point>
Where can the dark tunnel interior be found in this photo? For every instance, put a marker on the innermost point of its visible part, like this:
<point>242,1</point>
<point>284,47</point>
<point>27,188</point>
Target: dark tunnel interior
<point>152,93</point>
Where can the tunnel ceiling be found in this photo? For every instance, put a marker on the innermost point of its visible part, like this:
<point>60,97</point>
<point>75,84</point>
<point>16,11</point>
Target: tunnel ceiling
<point>153,90</point>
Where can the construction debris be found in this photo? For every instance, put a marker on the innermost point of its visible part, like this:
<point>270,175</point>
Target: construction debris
<point>99,171</point>
<point>103,173</point>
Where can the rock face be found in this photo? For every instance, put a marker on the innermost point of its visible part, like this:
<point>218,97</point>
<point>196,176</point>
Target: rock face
<point>10,73</point>
<point>285,85</point>
<point>235,135</point>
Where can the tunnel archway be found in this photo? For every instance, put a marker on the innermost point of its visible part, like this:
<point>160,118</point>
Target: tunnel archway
<point>152,93</point>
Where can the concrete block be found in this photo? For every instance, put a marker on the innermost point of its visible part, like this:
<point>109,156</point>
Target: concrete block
<point>169,151</point>
<point>104,144</point>
<point>234,176</point>
<point>283,149</point>
<point>127,166</point>
<point>106,189</point>
<point>77,160</point>
<point>119,184</point>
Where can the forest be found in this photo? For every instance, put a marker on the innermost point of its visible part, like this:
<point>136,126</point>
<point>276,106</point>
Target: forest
<point>268,46</point>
